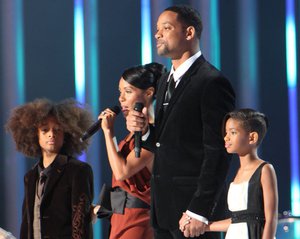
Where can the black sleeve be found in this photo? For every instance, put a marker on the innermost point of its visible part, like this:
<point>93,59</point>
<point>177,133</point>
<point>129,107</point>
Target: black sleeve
<point>149,144</point>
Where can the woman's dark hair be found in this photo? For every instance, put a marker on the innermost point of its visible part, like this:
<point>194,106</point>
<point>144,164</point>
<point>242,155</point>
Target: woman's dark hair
<point>25,120</point>
<point>144,76</point>
<point>188,16</point>
<point>251,121</point>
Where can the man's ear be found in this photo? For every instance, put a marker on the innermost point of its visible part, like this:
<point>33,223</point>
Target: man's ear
<point>253,137</point>
<point>190,32</point>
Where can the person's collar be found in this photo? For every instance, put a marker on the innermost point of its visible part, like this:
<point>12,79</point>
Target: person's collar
<point>183,68</point>
<point>46,171</point>
<point>40,166</point>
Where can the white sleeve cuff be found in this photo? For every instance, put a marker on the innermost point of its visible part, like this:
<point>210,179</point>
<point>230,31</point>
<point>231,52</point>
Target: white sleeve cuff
<point>145,136</point>
<point>197,217</point>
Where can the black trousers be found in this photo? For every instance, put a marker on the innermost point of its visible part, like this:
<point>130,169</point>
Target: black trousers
<point>177,234</point>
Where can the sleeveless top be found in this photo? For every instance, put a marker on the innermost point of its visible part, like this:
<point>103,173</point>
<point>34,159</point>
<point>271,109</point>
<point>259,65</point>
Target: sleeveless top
<point>245,201</point>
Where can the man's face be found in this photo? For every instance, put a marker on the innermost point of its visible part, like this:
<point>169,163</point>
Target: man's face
<point>170,35</point>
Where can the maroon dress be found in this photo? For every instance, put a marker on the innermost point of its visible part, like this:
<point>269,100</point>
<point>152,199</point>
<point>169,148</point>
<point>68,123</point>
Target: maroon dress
<point>135,222</point>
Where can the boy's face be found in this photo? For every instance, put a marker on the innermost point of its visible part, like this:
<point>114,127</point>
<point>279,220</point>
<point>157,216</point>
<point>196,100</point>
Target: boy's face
<point>51,136</point>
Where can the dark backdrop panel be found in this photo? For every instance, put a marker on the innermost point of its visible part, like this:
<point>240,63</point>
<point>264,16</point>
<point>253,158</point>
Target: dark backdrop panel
<point>2,219</point>
<point>49,47</point>
<point>48,51</point>
<point>274,98</point>
<point>119,48</point>
<point>229,41</point>
<point>229,35</point>
<point>119,41</point>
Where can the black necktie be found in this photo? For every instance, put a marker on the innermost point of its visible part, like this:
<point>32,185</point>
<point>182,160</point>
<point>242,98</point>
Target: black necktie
<point>41,184</point>
<point>169,92</point>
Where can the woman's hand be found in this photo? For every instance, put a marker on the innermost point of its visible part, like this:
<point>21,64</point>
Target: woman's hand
<point>108,118</point>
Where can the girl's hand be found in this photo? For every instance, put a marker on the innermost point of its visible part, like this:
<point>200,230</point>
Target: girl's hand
<point>94,211</point>
<point>185,220</point>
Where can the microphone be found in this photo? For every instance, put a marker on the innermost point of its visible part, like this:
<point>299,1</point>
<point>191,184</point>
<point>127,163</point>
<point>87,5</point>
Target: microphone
<point>97,125</point>
<point>138,134</point>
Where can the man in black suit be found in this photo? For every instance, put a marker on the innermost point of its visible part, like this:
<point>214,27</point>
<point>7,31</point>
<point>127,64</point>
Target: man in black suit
<point>190,163</point>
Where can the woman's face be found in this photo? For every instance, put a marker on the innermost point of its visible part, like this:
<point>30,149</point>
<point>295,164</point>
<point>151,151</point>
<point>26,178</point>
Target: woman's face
<point>51,136</point>
<point>130,94</point>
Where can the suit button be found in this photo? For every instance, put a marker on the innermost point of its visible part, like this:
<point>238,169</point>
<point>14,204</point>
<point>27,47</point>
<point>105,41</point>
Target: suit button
<point>157,144</point>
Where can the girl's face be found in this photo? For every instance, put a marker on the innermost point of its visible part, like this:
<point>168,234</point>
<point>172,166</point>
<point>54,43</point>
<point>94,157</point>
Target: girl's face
<point>51,136</point>
<point>130,94</point>
<point>236,138</point>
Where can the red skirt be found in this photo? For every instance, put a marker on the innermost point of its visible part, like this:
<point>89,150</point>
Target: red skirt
<point>134,223</point>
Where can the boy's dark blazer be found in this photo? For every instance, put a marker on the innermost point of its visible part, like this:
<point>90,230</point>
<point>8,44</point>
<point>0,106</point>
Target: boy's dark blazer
<point>191,162</point>
<point>65,206</point>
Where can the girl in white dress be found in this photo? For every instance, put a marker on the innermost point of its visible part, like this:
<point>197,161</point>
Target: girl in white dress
<point>252,196</point>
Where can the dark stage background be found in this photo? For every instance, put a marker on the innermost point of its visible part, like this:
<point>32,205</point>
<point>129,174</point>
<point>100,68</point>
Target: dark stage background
<point>249,38</point>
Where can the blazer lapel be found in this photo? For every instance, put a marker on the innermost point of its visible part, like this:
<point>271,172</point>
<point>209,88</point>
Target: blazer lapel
<point>58,167</point>
<point>30,182</point>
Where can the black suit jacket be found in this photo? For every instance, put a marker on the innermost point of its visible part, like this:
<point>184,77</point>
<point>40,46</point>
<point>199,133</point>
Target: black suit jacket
<point>65,206</point>
<point>190,163</point>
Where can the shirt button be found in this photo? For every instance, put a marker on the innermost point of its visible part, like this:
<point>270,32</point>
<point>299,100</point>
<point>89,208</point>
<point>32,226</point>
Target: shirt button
<point>157,144</point>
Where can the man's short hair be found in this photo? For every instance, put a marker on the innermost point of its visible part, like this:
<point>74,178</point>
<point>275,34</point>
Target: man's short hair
<point>188,16</point>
